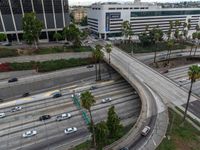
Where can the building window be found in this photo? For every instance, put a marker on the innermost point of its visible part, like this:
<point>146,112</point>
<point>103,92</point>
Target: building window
<point>125,8</point>
<point>164,13</point>
<point>111,8</point>
<point>38,6</point>
<point>27,6</point>
<point>5,8</point>
<point>57,6</point>
<point>16,7</point>
<point>119,8</point>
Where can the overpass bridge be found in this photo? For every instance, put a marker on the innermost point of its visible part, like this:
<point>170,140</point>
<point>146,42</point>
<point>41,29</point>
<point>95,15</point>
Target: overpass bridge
<point>154,84</point>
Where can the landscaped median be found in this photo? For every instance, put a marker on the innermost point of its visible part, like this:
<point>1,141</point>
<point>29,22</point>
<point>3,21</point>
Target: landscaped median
<point>11,52</point>
<point>45,66</point>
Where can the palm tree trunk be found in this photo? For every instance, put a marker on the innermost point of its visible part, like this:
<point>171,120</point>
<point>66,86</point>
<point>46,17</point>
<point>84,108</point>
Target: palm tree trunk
<point>191,50</point>
<point>92,124</point>
<point>155,54</point>
<point>186,108</point>
<point>195,51</point>
<point>36,46</point>
<point>96,70</point>
<point>169,55</point>
<point>109,67</point>
<point>99,70</point>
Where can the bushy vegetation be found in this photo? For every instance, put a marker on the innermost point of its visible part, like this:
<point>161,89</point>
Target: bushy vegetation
<point>139,48</point>
<point>51,65</point>
<point>5,52</point>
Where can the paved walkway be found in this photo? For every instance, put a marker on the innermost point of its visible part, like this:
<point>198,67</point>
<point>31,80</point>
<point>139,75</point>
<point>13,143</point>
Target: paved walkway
<point>46,57</point>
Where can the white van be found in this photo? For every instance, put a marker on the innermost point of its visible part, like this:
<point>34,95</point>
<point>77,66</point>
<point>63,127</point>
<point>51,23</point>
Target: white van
<point>146,130</point>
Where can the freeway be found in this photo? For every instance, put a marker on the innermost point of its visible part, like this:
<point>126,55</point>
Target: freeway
<point>51,133</point>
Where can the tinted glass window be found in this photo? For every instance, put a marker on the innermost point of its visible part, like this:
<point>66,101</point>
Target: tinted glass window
<point>38,6</point>
<point>57,6</point>
<point>27,6</point>
<point>4,6</point>
<point>48,6</point>
<point>16,7</point>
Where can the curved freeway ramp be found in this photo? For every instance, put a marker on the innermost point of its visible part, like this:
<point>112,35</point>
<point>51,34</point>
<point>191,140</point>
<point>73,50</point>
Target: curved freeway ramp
<point>153,113</point>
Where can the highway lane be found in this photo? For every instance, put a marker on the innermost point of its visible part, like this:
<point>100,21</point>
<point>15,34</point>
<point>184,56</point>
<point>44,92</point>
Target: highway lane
<point>120,100</point>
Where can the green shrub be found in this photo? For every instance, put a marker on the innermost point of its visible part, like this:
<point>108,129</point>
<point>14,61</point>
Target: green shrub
<point>5,52</point>
<point>51,65</point>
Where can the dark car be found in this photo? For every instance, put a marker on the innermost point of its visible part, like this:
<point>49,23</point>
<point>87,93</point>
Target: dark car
<point>90,66</point>
<point>45,117</point>
<point>56,95</point>
<point>124,148</point>
<point>26,94</point>
<point>93,87</point>
<point>13,80</point>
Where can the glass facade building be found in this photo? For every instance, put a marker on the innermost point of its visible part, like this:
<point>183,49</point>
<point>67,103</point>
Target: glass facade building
<point>53,13</point>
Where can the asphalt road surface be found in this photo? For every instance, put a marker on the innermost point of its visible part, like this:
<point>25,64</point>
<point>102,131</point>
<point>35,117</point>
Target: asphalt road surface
<point>50,132</point>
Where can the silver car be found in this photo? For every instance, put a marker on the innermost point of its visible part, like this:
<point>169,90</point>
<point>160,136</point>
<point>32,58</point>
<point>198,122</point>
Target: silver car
<point>106,100</point>
<point>2,115</point>
<point>70,130</point>
<point>29,133</point>
<point>63,116</point>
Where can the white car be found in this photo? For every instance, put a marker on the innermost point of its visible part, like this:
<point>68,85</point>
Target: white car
<point>29,133</point>
<point>146,130</point>
<point>106,100</point>
<point>63,117</point>
<point>2,115</point>
<point>17,108</point>
<point>70,130</point>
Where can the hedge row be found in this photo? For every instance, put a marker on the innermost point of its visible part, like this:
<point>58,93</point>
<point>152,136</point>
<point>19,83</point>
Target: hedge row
<point>51,65</point>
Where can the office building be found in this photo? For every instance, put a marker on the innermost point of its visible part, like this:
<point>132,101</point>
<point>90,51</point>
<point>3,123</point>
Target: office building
<point>53,13</point>
<point>105,19</point>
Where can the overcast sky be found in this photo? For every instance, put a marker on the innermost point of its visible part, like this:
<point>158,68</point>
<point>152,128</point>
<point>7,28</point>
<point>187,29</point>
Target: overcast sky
<point>87,2</point>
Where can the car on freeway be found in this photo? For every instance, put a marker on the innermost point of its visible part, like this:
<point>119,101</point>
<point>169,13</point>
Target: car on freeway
<point>44,117</point>
<point>1,100</point>
<point>198,65</point>
<point>90,66</point>
<point>106,100</point>
<point>2,115</point>
<point>12,80</point>
<point>26,94</point>
<point>93,88</point>
<point>56,95</point>
<point>29,133</point>
<point>17,108</point>
<point>70,130</point>
<point>124,148</point>
<point>63,116</point>
<point>145,131</point>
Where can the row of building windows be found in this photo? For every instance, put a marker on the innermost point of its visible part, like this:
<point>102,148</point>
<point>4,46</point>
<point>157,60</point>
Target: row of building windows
<point>27,6</point>
<point>164,13</point>
<point>126,8</point>
<point>152,18</point>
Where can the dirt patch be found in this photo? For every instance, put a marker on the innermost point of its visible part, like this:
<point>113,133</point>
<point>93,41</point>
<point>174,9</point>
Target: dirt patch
<point>173,63</point>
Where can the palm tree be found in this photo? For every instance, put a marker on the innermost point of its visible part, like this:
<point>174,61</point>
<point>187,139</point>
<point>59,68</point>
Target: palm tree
<point>87,101</point>
<point>157,39</point>
<point>170,45</point>
<point>126,30</point>
<point>94,56</point>
<point>197,43</point>
<point>108,48</point>
<point>194,74</point>
<point>99,55</point>
<point>194,36</point>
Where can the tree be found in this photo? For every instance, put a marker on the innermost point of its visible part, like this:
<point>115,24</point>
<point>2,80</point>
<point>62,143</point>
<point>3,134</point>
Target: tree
<point>57,36</point>
<point>94,56</point>
<point>99,56</point>
<point>3,37</point>
<point>144,39</point>
<point>197,42</point>
<point>87,101</point>
<point>126,30</point>
<point>194,37</point>
<point>113,123</point>
<point>156,38</point>
<point>170,45</point>
<point>32,28</point>
<point>108,48</point>
<point>84,21</point>
<point>194,74</point>
<point>101,133</point>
